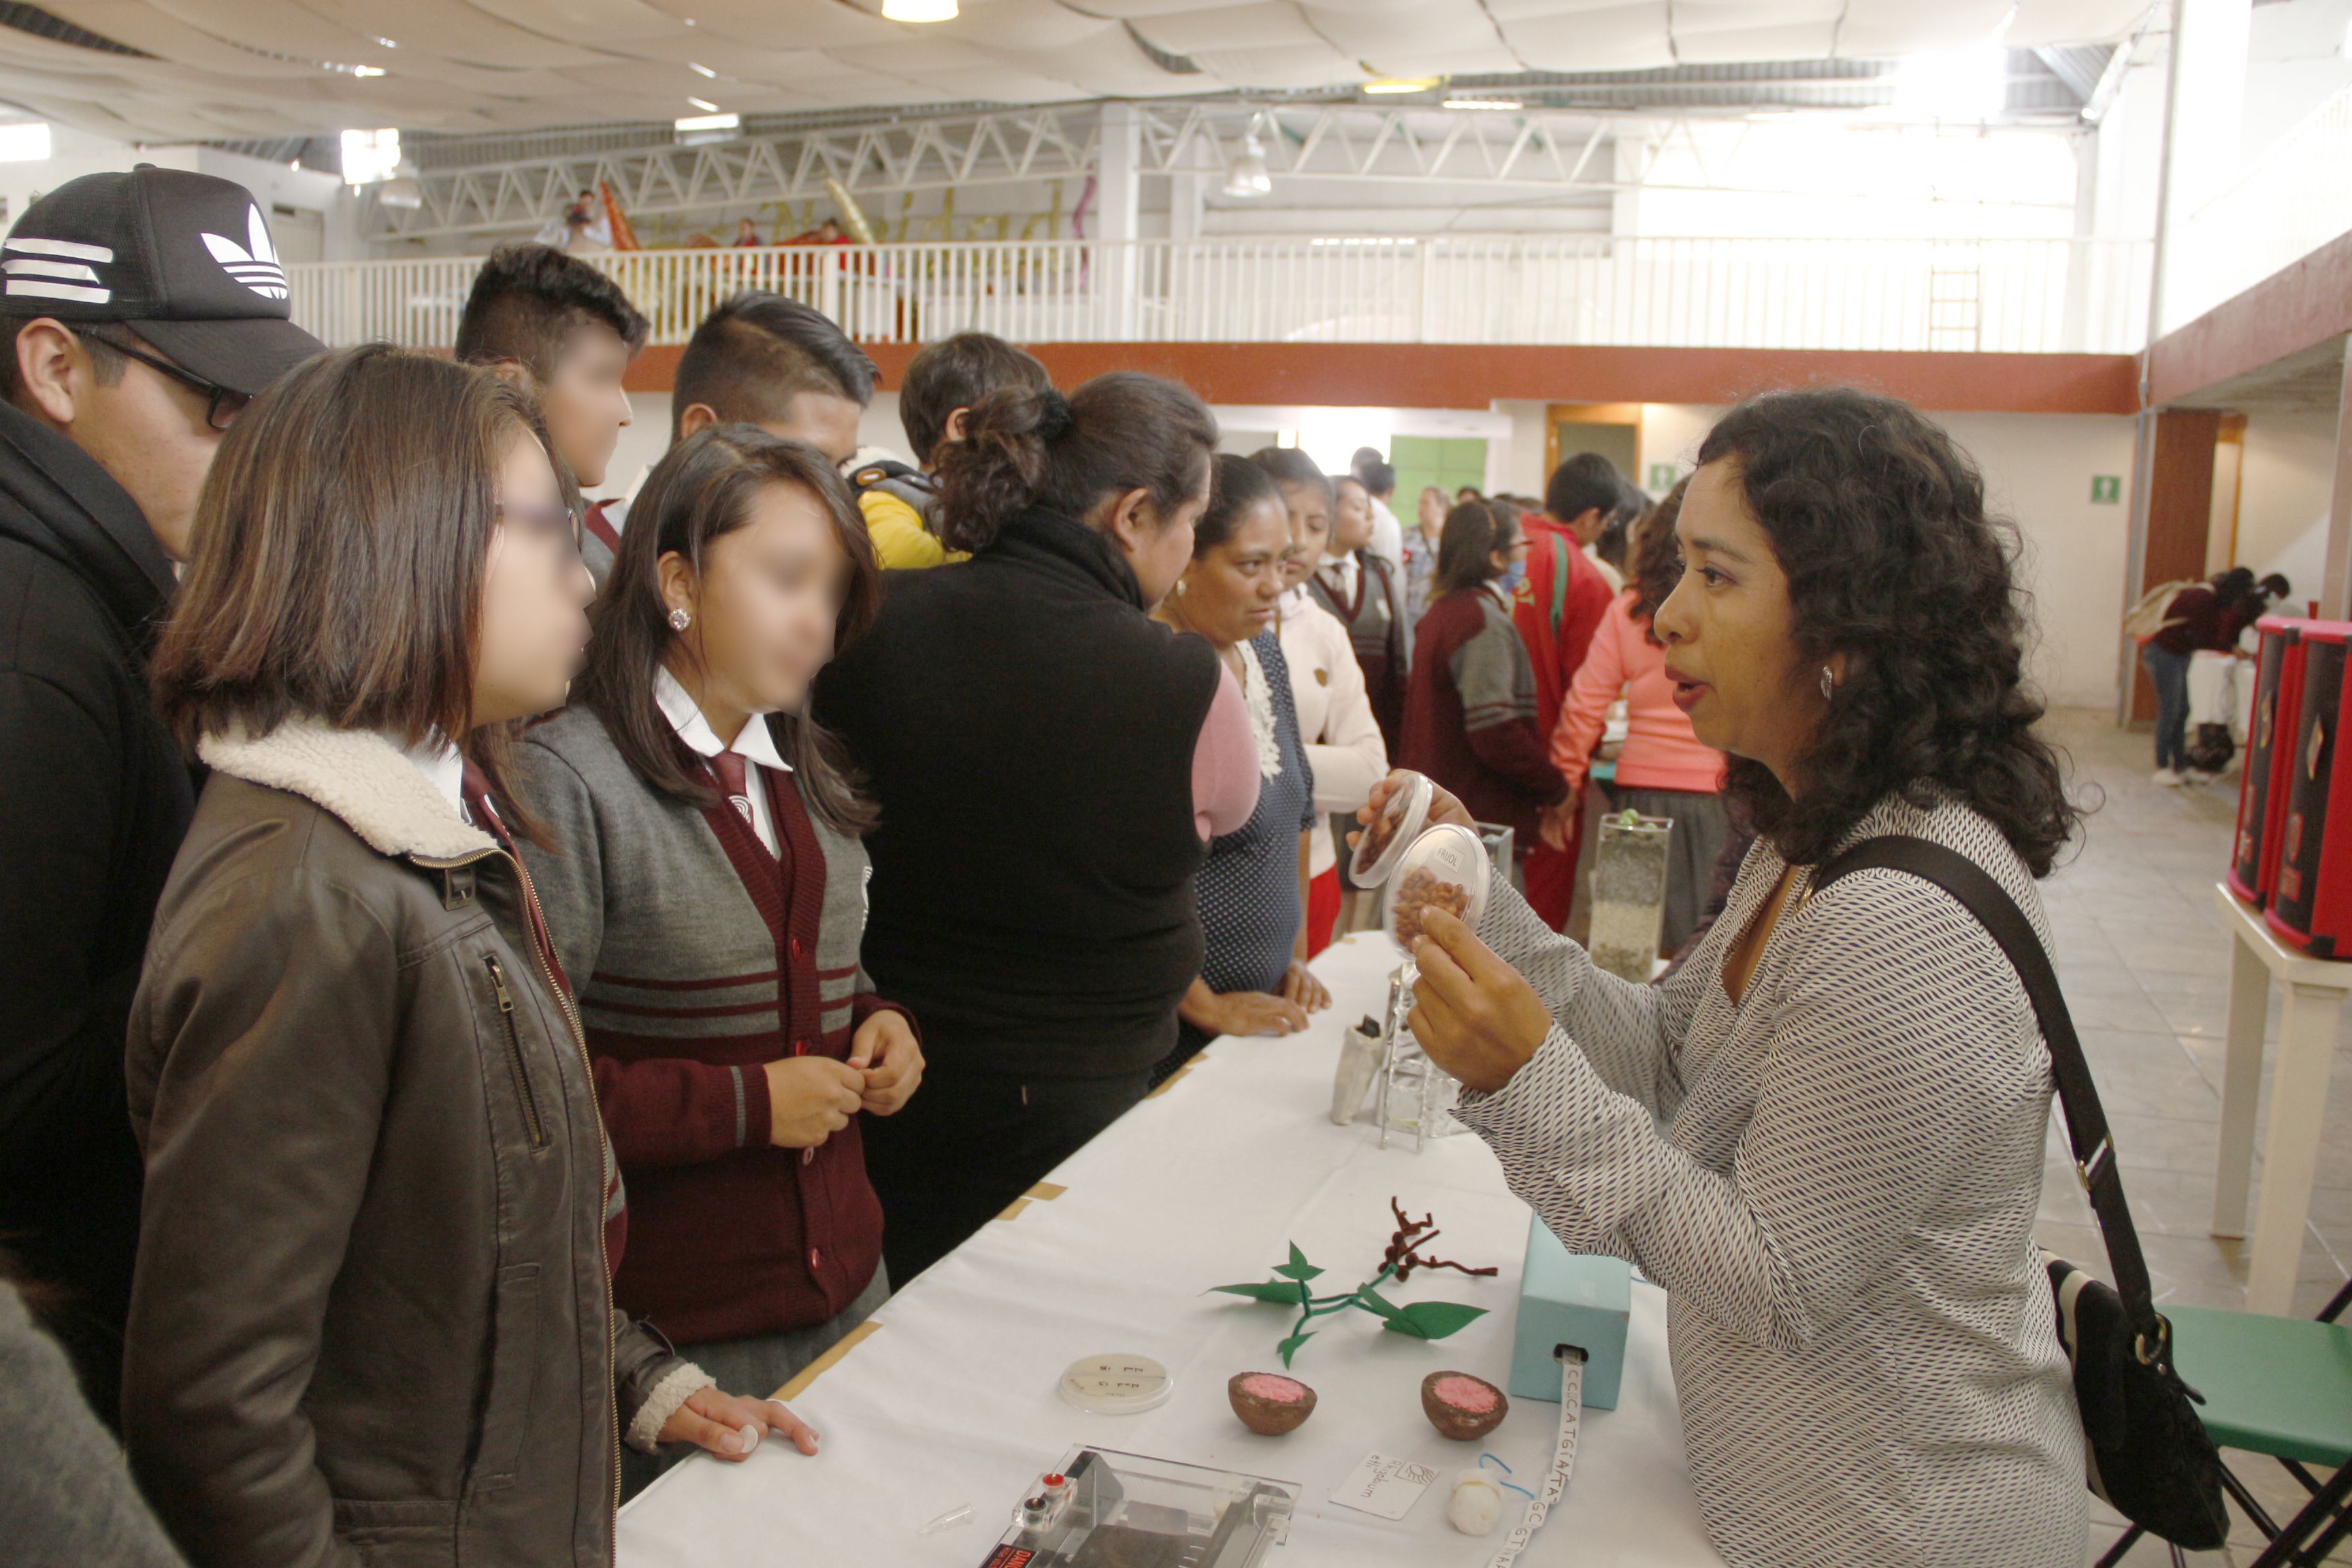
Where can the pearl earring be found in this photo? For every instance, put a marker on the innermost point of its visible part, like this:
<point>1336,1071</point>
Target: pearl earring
<point>679,620</point>
<point>1183,584</point>
<point>1829,684</point>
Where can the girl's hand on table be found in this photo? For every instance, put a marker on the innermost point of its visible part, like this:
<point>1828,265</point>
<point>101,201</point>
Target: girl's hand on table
<point>729,1426</point>
<point>1474,1014</point>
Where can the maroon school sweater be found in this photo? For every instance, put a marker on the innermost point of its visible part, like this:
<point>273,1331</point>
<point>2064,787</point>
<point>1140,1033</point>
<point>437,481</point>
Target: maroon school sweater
<point>1470,714</point>
<point>698,958</point>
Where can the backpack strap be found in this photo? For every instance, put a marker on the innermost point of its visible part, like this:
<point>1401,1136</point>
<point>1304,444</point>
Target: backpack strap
<point>2078,1097</point>
<point>1559,569</point>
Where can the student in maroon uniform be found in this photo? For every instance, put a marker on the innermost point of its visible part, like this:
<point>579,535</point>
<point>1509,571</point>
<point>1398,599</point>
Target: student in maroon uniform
<point>563,331</point>
<point>707,889</point>
<point>1470,711</point>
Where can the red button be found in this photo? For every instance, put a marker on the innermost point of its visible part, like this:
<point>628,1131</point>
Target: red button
<point>807,1156</point>
<point>816,1257</point>
<point>796,947</point>
<point>800,1048</point>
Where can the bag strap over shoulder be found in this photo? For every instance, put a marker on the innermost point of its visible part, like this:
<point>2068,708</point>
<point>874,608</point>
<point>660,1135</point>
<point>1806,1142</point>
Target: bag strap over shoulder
<point>2087,1121</point>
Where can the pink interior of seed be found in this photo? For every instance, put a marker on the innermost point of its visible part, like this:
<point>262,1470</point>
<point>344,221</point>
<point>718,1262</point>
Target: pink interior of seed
<point>1265,1385</point>
<point>1465,1394</point>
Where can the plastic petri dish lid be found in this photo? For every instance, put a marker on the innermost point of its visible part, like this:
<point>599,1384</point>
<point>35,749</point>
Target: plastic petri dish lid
<point>1385,841</point>
<point>1445,867</point>
<point>1116,1383</point>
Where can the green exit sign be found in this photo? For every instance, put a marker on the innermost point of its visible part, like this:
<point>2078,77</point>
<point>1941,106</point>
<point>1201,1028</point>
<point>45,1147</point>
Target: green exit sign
<point>1663,476</point>
<point>2106,489</point>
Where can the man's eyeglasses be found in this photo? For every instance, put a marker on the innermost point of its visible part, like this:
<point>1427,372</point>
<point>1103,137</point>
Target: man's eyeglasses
<point>224,406</point>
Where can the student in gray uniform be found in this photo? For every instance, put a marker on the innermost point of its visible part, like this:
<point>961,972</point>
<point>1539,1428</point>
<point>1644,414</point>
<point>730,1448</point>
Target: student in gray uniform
<point>706,886</point>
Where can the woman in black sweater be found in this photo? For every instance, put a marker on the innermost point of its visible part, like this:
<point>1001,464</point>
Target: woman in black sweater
<point>1033,742</point>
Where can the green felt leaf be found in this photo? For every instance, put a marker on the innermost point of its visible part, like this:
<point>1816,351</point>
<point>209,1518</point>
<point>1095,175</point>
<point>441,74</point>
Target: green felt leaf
<point>1371,1300</point>
<point>1289,1347</point>
<point>1281,1292</point>
<point>1433,1320</point>
<point>1297,1268</point>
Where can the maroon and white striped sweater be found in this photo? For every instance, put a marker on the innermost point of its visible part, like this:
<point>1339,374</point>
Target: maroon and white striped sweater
<point>697,958</point>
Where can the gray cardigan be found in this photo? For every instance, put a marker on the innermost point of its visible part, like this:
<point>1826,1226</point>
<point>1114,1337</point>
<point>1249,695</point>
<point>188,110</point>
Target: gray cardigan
<point>1835,1180</point>
<point>695,963</point>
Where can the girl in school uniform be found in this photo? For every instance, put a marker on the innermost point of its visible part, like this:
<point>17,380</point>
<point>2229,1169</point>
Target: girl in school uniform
<point>707,889</point>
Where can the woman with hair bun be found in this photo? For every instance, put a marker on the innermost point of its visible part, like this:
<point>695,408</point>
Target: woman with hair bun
<point>1824,1134</point>
<point>1047,764</point>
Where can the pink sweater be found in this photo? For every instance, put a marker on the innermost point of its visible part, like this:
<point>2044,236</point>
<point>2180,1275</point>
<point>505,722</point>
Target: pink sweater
<point>1660,752</point>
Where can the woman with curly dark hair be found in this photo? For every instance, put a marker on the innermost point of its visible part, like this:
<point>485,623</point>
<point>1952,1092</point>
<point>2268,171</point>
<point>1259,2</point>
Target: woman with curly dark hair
<point>1823,1135</point>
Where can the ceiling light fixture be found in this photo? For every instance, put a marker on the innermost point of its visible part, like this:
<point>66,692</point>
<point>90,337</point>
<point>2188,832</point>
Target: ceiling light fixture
<point>26,143</point>
<point>699,69</point>
<point>704,104</point>
<point>401,191</point>
<point>1391,84</point>
<point>700,130</point>
<point>1967,85</point>
<point>919,10</point>
<point>1248,176</point>
<point>367,71</point>
<point>1484,103</point>
<point>370,156</point>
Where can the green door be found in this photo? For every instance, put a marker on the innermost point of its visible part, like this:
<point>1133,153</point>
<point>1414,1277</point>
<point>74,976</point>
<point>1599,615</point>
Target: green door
<point>1449,462</point>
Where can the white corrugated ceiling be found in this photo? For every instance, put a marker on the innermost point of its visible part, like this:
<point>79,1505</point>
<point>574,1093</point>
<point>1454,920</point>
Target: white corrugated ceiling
<point>183,69</point>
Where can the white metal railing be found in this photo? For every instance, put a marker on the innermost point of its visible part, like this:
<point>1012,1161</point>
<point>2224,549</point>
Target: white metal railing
<point>1989,295</point>
<point>2285,204</point>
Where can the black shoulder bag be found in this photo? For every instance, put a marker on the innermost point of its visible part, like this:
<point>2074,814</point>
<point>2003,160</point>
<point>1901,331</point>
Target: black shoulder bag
<point>2149,1454</point>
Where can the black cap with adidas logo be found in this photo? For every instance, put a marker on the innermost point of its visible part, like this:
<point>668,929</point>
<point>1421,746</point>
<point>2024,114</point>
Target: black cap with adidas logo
<point>184,259</point>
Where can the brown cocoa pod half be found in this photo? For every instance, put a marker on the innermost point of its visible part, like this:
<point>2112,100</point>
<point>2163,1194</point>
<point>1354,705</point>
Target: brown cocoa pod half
<point>1461,1407</point>
<point>1268,1402</point>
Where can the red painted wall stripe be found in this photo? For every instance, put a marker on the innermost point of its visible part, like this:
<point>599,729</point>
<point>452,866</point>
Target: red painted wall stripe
<point>1457,375</point>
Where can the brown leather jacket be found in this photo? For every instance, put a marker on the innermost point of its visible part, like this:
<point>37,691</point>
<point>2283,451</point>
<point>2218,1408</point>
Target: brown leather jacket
<point>371,1322</point>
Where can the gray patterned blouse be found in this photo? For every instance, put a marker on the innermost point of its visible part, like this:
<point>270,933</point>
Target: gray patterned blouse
<point>1835,1180</point>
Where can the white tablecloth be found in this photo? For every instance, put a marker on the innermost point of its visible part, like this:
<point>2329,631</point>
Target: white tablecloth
<point>952,1400</point>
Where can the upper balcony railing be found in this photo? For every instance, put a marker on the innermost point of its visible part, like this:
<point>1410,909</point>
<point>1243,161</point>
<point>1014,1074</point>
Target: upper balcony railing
<point>2022,295</point>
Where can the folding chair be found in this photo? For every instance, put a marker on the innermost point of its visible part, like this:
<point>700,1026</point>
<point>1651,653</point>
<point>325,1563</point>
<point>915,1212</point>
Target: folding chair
<point>2280,1386</point>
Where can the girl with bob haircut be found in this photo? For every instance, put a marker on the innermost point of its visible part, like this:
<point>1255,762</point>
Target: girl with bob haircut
<point>371,1314</point>
<point>1824,1134</point>
<point>707,889</point>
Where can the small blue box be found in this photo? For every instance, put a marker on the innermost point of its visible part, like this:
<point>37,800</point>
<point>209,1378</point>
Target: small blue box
<point>1570,1299</point>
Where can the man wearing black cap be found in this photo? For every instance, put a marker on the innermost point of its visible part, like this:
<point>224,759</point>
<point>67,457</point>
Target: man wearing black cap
<point>140,313</point>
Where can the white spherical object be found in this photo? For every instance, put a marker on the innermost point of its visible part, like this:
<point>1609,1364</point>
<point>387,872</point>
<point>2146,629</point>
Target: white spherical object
<point>1476,1505</point>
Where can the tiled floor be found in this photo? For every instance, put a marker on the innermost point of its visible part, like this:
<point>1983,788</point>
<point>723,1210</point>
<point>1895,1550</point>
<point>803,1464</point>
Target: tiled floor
<point>2145,961</point>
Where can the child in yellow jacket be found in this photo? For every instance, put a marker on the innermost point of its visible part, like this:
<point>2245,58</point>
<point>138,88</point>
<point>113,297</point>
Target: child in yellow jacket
<point>943,383</point>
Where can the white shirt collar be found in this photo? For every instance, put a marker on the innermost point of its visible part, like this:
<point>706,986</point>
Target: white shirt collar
<point>1293,603</point>
<point>756,742</point>
<point>443,765</point>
